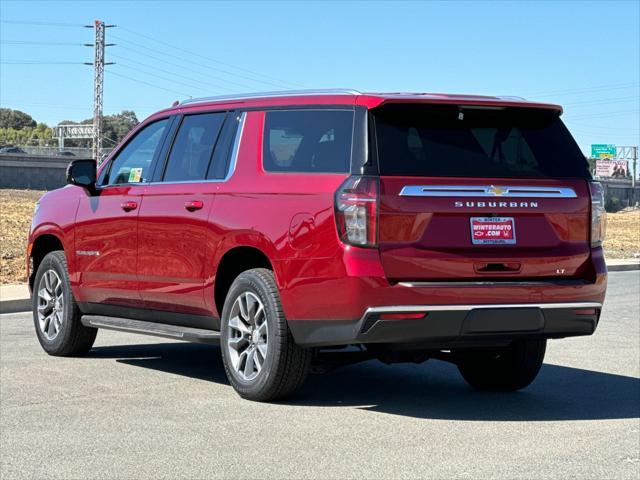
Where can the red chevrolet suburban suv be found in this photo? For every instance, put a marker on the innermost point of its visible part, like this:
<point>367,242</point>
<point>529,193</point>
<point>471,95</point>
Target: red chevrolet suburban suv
<point>300,228</point>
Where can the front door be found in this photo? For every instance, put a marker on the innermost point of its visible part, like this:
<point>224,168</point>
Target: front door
<point>106,231</point>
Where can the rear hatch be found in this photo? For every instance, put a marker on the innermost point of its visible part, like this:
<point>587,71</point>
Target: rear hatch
<point>480,193</point>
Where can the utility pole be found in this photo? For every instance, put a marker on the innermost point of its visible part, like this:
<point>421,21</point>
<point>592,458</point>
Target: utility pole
<point>98,83</point>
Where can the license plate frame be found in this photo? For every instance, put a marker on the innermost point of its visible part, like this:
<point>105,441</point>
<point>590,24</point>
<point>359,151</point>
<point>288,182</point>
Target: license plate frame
<point>504,226</point>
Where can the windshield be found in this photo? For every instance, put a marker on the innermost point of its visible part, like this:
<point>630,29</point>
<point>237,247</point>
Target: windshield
<point>434,140</point>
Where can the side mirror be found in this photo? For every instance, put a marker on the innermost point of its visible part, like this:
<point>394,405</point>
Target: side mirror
<point>82,173</point>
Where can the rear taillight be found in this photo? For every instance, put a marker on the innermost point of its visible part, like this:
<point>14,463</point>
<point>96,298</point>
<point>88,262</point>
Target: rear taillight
<point>356,208</point>
<point>598,214</point>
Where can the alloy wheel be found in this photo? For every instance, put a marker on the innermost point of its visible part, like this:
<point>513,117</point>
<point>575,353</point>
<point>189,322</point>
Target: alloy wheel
<point>248,336</point>
<point>50,304</point>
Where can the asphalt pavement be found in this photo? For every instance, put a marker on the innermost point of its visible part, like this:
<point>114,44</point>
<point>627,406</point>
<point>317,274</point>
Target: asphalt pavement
<point>141,407</point>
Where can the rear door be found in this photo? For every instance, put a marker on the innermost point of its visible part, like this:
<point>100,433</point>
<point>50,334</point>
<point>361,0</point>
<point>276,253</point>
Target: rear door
<point>480,193</point>
<point>173,218</point>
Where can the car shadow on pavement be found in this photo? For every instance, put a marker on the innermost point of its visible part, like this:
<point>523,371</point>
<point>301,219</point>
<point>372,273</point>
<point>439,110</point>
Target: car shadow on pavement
<point>432,390</point>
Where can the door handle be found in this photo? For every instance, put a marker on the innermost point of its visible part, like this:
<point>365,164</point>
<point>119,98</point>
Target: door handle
<point>128,206</point>
<point>193,205</point>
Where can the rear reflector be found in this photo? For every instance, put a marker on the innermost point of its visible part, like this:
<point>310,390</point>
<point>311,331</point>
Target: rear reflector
<point>584,311</point>
<point>402,316</point>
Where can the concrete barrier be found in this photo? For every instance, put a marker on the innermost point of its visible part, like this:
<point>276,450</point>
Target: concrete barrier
<point>37,172</point>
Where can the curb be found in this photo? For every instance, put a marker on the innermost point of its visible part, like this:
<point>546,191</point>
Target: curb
<point>15,306</point>
<point>623,267</point>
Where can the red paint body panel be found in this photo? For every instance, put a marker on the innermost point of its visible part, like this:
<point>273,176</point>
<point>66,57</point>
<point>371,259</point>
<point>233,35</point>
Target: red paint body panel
<point>163,256</point>
<point>106,246</point>
<point>172,248</point>
<point>429,238</point>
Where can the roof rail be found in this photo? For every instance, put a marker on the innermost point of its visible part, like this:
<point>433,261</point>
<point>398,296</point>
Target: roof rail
<point>284,93</point>
<point>511,97</point>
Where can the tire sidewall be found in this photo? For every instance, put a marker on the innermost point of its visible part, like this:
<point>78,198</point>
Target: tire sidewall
<point>251,282</point>
<point>52,262</point>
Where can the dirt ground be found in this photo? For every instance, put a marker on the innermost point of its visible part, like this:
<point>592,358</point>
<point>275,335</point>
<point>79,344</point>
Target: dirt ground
<point>623,233</point>
<point>16,210</point>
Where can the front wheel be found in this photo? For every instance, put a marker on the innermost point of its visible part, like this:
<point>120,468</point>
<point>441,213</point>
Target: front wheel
<point>55,313</point>
<point>260,357</point>
<point>505,369</point>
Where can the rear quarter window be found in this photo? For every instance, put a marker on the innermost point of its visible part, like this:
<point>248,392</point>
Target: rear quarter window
<point>311,141</point>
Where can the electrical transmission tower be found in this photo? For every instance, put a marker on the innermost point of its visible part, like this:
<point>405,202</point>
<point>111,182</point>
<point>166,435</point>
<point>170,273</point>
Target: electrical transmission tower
<point>98,83</point>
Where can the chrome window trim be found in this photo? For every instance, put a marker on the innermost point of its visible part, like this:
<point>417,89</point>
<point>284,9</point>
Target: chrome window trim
<point>521,191</point>
<point>232,163</point>
<point>236,147</point>
<point>283,93</point>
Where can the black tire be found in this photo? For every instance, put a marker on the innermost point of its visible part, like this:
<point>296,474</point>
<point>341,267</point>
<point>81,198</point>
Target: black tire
<point>285,365</point>
<point>72,337</point>
<point>506,369</point>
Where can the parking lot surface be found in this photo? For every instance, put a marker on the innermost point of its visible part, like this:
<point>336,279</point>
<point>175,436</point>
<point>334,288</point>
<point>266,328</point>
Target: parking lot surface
<point>141,407</point>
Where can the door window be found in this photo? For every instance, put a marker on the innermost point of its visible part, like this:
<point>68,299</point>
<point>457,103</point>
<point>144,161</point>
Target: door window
<point>133,163</point>
<point>192,149</point>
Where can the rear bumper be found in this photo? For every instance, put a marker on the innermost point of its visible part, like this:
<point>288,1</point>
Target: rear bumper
<point>448,326</point>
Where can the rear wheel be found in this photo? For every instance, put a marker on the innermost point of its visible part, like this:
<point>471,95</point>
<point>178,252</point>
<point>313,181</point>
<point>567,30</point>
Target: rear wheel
<point>260,357</point>
<point>505,369</point>
<point>55,313</point>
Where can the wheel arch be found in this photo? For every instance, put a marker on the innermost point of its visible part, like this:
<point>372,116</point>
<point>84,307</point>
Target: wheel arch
<point>232,263</point>
<point>42,244</point>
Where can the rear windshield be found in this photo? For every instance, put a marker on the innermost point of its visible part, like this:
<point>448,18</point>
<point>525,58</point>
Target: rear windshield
<point>416,140</point>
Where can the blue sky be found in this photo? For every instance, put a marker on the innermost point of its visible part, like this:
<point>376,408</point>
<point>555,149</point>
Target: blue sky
<point>584,55</point>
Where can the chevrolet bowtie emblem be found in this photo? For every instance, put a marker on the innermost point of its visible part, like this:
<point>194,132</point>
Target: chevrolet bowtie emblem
<point>497,191</point>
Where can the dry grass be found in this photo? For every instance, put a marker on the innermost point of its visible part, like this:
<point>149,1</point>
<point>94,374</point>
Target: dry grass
<point>15,219</point>
<point>623,233</point>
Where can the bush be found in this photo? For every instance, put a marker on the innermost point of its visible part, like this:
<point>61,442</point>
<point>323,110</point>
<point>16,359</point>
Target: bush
<point>613,204</point>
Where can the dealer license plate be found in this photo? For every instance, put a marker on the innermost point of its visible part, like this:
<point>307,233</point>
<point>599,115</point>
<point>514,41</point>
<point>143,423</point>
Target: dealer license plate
<point>493,230</point>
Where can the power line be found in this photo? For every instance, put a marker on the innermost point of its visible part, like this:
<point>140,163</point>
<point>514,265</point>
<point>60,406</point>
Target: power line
<point>586,90</point>
<point>47,24</point>
<point>156,76</point>
<point>162,42</point>
<point>604,101</point>
<point>37,62</point>
<point>188,65</point>
<point>27,42</point>
<point>604,114</point>
<point>604,127</point>
<point>152,67</point>
<point>233,74</point>
<point>147,83</point>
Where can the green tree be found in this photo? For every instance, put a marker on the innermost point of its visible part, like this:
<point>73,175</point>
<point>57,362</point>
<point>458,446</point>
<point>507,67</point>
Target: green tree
<point>15,119</point>
<point>115,127</point>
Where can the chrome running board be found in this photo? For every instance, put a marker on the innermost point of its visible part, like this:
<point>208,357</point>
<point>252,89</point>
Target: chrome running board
<point>175,332</point>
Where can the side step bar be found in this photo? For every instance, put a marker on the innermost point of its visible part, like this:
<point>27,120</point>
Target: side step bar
<point>176,332</point>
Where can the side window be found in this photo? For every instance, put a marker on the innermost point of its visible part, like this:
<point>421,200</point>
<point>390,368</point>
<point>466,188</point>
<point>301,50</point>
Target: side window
<point>192,149</point>
<point>133,163</point>
<point>316,141</point>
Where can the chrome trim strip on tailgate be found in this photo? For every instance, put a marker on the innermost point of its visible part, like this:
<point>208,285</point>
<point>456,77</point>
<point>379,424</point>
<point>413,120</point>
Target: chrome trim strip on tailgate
<point>486,191</point>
